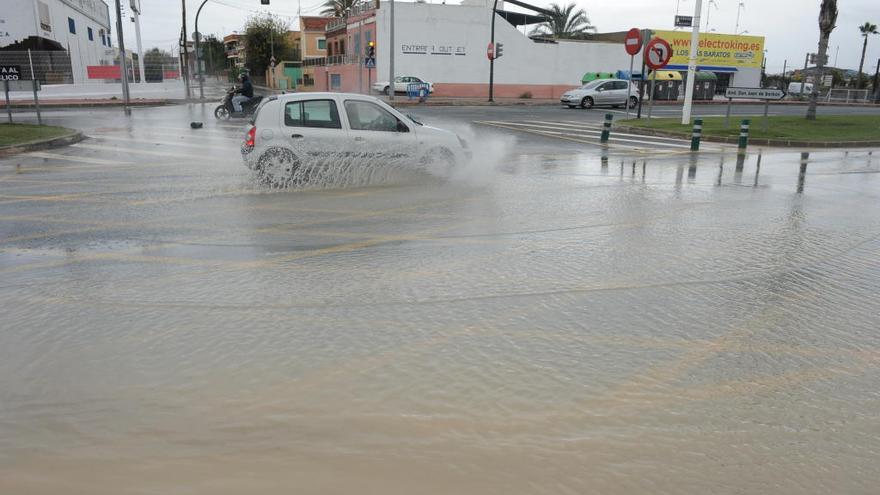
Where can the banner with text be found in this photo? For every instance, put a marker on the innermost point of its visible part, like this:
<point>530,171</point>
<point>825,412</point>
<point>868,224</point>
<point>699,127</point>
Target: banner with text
<point>715,50</point>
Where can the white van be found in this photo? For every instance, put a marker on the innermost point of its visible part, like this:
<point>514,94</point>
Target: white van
<point>794,88</point>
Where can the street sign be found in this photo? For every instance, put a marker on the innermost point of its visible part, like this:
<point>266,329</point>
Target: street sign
<point>828,80</point>
<point>369,63</point>
<point>490,51</point>
<point>755,93</point>
<point>10,72</point>
<point>272,62</point>
<point>815,56</point>
<point>633,41</point>
<point>23,85</point>
<point>657,53</point>
<point>684,21</point>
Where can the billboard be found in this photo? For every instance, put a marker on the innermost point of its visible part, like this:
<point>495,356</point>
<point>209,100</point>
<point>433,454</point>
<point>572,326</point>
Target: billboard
<point>715,50</point>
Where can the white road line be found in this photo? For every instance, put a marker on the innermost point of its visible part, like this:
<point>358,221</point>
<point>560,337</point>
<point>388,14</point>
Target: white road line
<point>78,159</point>
<point>591,133</point>
<point>228,149</point>
<point>615,133</point>
<point>574,137</point>
<point>136,151</point>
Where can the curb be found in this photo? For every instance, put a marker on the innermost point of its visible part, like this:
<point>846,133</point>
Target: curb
<point>49,105</point>
<point>782,143</point>
<point>45,144</point>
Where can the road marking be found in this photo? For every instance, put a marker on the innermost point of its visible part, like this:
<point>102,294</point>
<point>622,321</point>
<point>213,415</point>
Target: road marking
<point>136,151</point>
<point>79,159</point>
<point>169,143</point>
<point>539,129</point>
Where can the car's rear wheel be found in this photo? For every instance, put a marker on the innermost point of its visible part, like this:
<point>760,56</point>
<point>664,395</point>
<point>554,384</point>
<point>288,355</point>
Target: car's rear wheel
<point>277,167</point>
<point>221,113</point>
<point>587,102</point>
<point>387,90</point>
<point>633,101</point>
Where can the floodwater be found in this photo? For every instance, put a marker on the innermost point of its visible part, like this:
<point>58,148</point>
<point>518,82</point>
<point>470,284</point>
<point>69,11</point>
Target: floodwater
<point>552,323</point>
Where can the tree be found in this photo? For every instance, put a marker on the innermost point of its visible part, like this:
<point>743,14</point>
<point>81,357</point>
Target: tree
<point>213,54</point>
<point>866,29</point>
<point>155,62</point>
<point>338,8</point>
<point>827,20</point>
<point>565,23</point>
<point>264,34</point>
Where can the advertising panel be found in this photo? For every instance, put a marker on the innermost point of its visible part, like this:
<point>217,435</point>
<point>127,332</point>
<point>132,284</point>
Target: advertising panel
<point>715,50</point>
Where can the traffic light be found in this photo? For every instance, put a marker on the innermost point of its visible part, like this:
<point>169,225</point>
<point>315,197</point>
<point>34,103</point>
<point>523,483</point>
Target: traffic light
<point>498,48</point>
<point>264,2</point>
<point>371,49</point>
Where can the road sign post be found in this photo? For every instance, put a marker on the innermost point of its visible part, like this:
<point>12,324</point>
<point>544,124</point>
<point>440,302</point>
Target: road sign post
<point>657,55</point>
<point>9,73</point>
<point>633,45</point>
<point>766,94</point>
<point>8,107</point>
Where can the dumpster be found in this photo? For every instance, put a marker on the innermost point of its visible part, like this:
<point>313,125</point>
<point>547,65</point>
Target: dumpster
<point>704,89</point>
<point>668,85</point>
<point>592,76</point>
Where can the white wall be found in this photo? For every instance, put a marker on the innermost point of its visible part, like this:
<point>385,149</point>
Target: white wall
<point>22,20</point>
<point>467,29</point>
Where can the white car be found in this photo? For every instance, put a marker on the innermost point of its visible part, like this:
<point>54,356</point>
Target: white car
<point>401,83</point>
<point>294,135</point>
<point>601,92</point>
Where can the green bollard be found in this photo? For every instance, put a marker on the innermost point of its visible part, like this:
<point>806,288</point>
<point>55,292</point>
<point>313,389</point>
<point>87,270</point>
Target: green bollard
<point>695,136</point>
<point>744,134</point>
<point>606,128</point>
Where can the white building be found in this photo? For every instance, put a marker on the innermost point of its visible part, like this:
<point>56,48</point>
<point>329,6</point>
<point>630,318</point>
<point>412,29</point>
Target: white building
<point>79,27</point>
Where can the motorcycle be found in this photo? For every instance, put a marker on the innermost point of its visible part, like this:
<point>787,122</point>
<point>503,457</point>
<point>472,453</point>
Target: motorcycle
<point>225,110</point>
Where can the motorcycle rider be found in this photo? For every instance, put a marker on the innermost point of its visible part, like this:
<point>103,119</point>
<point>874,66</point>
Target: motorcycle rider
<point>243,93</point>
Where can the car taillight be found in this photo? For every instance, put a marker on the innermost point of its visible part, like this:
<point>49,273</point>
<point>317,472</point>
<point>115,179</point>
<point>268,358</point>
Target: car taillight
<point>251,137</point>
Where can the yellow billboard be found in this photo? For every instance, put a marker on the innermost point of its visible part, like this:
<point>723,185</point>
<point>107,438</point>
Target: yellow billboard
<point>715,50</point>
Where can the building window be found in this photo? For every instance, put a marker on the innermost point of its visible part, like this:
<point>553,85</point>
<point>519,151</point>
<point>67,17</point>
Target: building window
<point>91,35</point>
<point>45,19</point>
<point>369,35</point>
<point>71,25</point>
<point>101,34</point>
<point>335,81</point>
<point>322,44</point>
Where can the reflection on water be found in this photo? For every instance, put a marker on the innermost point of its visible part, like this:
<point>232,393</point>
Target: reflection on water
<point>553,330</point>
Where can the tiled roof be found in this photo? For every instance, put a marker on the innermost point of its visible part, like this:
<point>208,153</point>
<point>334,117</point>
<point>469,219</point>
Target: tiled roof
<point>315,23</point>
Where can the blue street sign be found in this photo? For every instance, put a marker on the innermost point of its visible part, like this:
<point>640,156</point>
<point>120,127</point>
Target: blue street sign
<point>369,63</point>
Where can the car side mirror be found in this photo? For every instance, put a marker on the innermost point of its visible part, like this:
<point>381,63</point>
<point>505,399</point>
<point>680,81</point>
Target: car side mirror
<point>401,127</point>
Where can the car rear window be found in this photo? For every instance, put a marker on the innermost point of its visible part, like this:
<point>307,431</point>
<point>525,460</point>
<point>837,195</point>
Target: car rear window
<point>312,113</point>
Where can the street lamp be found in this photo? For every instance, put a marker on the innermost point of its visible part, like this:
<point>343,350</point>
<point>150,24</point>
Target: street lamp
<point>198,61</point>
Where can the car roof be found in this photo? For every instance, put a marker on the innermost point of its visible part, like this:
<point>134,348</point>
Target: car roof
<point>323,95</point>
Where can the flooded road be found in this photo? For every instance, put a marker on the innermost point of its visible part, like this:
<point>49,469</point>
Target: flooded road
<point>551,319</point>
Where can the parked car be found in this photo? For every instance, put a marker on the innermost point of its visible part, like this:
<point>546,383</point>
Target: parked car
<point>601,92</point>
<point>400,85</point>
<point>293,134</point>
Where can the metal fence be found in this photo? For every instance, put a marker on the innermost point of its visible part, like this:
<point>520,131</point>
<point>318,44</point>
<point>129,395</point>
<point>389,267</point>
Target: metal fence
<point>849,96</point>
<point>49,67</point>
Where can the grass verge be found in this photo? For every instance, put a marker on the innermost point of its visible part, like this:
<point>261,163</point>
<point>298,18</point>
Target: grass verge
<point>13,134</point>
<point>825,128</point>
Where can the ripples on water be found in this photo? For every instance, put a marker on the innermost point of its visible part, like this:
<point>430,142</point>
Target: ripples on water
<point>562,329</point>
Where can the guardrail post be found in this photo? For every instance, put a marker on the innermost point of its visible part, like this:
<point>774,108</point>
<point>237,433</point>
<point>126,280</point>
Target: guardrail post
<point>695,136</point>
<point>606,128</point>
<point>744,134</point>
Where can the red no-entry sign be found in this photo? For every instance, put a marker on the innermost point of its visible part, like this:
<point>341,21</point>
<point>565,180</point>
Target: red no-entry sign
<point>657,53</point>
<point>633,41</point>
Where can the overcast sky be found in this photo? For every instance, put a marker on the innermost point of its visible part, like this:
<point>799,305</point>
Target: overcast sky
<point>790,26</point>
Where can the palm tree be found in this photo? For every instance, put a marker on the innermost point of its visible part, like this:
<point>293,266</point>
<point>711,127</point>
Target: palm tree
<point>566,22</point>
<point>866,29</point>
<point>827,19</point>
<point>338,8</point>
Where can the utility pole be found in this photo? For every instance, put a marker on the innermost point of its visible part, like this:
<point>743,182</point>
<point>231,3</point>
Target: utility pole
<point>137,30</point>
<point>692,65</point>
<point>391,55</point>
<point>804,75</point>
<point>123,66</point>
<point>492,59</point>
<point>784,66</point>
<point>876,77</point>
<point>184,55</point>
<point>739,8</point>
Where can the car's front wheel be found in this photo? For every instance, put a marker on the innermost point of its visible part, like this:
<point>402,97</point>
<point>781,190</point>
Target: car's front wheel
<point>440,162</point>
<point>587,102</point>
<point>387,90</point>
<point>633,101</point>
<point>277,167</point>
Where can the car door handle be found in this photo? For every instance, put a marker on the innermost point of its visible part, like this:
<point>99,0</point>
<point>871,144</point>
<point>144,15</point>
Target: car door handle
<point>296,136</point>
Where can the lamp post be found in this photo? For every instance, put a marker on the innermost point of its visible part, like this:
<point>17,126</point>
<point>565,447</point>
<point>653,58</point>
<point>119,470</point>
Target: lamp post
<point>123,66</point>
<point>198,57</point>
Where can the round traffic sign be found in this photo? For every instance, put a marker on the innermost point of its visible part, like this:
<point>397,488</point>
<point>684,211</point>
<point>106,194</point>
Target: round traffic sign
<point>633,41</point>
<point>490,51</point>
<point>657,53</point>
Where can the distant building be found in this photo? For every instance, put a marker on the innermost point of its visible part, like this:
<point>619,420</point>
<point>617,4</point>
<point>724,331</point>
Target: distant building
<point>235,54</point>
<point>78,30</point>
<point>312,36</point>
